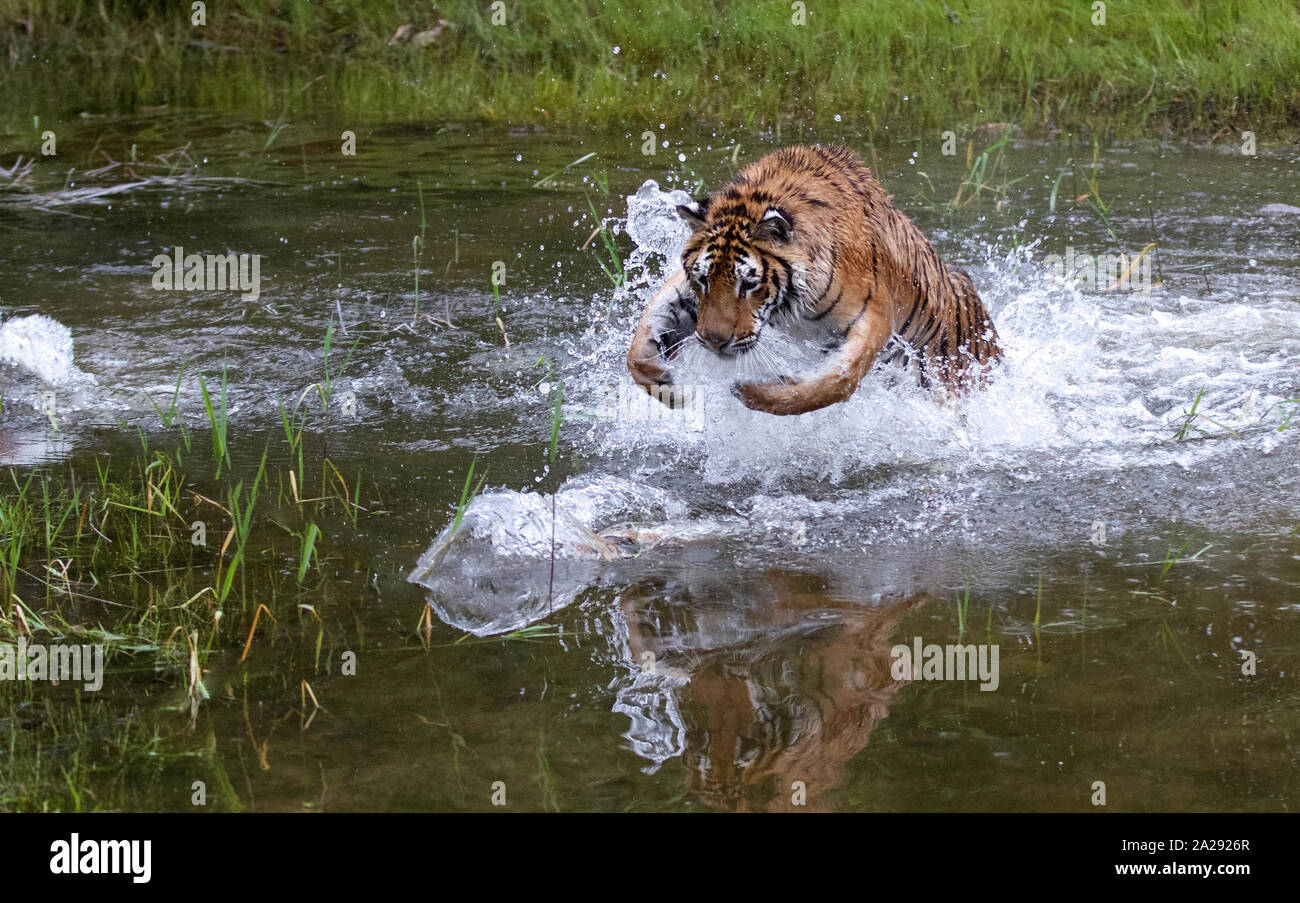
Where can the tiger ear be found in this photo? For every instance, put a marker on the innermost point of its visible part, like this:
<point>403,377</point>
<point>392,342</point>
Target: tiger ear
<point>694,213</point>
<point>774,226</point>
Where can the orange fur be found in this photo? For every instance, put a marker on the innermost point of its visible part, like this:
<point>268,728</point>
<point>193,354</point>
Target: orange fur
<point>809,233</point>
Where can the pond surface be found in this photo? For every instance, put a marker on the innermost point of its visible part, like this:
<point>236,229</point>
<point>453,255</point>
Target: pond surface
<point>728,586</point>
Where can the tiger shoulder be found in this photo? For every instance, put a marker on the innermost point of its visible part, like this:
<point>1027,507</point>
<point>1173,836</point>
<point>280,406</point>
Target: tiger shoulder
<point>809,234</point>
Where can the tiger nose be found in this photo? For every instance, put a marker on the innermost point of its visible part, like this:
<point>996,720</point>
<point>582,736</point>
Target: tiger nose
<point>714,340</point>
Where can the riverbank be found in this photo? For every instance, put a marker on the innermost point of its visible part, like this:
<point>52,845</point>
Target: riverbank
<point>1148,69</point>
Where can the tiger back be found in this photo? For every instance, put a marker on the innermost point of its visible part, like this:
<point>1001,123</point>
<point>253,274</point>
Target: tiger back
<point>809,234</point>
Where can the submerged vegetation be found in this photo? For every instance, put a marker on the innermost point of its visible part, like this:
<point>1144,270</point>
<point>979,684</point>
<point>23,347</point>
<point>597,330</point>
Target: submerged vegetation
<point>227,561</point>
<point>176,169</point>
<point>139,557</point>
<point>1199,68</point>
<point>184,554</point>
<point>167,559</point>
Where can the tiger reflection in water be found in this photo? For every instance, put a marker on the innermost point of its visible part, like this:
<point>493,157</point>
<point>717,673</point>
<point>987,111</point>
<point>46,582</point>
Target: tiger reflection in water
<point>778,687</point>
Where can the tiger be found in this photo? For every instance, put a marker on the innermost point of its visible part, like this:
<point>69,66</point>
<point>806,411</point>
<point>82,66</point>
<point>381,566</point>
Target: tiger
<point>807,235</point>
<point>768,686</point>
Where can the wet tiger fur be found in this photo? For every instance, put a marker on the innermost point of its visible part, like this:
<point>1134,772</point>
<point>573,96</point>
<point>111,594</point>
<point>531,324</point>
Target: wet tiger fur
<point>808,234</point>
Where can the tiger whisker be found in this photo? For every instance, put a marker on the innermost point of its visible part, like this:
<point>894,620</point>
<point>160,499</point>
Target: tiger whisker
<point>829,245</point>
<point>775,365</point>
<point>764,355</point>
<point>667,352</point>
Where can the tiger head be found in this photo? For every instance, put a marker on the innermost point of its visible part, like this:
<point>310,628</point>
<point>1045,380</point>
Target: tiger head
<point>739,261</point>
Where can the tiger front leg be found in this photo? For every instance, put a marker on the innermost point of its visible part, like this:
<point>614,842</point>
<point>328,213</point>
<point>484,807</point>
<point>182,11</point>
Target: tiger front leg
<point>835,381</point>
<point>665,325</point>
<point>793,397</point>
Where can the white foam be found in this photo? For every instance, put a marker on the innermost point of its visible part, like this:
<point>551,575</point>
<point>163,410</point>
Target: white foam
<point>491,574</point>
<point>1083,372</point>
<point>1093,384</point>
<point>41,346</point>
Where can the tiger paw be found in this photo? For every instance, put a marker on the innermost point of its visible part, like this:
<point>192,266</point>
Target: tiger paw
<point>648,368</point>
<point>767,396</point>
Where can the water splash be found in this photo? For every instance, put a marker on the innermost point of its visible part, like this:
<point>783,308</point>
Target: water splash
<point>492,574</point>
<point>1090,379</point>
<point>659,233</point>
<point>1095,386</point>
<point>42,347</point>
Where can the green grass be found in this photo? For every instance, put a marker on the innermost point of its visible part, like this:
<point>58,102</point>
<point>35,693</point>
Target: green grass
<point>123,548</point>
<point>1175,556</point>
<point>415,262</point>
<point>242,508</point>
<point>308,550</point>
<point>1199,67</point>
<point>985,174</point>
<point>164,557</point>
<point>217,421</point>
<point>325,388</point>
<point>1100,207</point>
<point>1189,418</point>
<point>496,308</point>
<point>72,758</point>
<point>611,263</point>
<point>548,181</point>
<point>467,495</point>
<point>1290,412</point>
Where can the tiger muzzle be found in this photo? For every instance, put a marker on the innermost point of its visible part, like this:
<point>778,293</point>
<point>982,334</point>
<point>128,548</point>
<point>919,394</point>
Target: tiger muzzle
<point>716,342</point>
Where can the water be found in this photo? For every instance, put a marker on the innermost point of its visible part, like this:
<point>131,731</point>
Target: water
<point>727,585</point>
